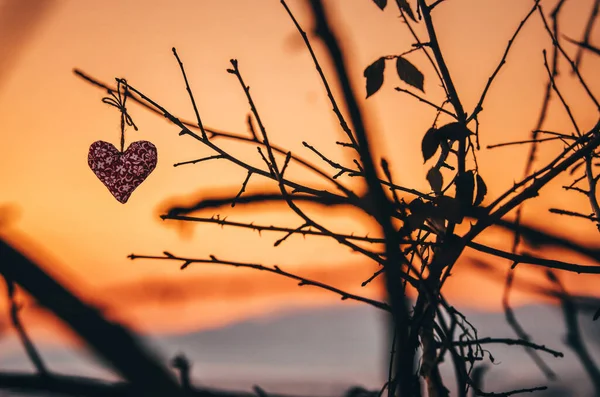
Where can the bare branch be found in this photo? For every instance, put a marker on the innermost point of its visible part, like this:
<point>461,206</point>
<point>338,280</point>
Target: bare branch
<point>533,260</point>
<point>479,107</point>
<point>243,188</point>
<point>110,341</point>
<point>588,32</point>
<point>275,269</point>
<point>216,156</point>
<point>30,349</point>
<point>260,228</point>
<point>336,109</point>
<point>189,90</point>
<point>574,67</point>
<point>510,342</point>
<point>433,105</point>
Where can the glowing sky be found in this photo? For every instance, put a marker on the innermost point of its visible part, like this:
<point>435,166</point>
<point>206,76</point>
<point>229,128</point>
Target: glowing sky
<point>50,117</point>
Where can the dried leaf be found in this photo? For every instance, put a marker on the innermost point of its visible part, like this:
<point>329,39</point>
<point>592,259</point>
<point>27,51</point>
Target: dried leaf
<point>465,186</point>
<point>449,208</point>
<point>405,6</point>
<point>409,73</point>
<point>419,211</point>
<point>417,205</point>
<point>481,190</point>
<point>422,209</point>
<point>374,76</point>
<point>454,131</point>
<point>435,179</point>
<point>429,144</point>
<point>380,3</point>
<point>413,222</point>
<point>438,224</point>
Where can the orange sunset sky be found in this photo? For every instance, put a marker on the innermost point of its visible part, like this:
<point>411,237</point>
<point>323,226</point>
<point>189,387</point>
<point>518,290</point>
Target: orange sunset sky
<point>49,118</point>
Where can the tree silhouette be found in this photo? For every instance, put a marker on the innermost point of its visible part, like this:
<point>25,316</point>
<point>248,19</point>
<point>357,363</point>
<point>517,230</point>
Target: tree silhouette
<point>420,235</point>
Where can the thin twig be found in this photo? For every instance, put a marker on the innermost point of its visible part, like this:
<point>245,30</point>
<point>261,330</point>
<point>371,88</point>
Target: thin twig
<point>334,104</point>
<point>263,228</point>
<point>562,99</point>
<point>574,67</point>
<point>524,142</point>
<point>275,269</point>
<point>588,32</point>
<point>422,46</point>
<point>592,183</point>
<point>433,105</point>
<point>587,46</point>
<point>559,211</point>
<point>189,90</point>
<point>216,156</point>
<point>479,107</point>
<point>533,260</point>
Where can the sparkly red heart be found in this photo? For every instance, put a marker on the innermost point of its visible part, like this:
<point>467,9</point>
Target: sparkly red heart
<point>123,172</point>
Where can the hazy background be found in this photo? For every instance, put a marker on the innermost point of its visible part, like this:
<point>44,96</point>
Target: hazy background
<point>261,327</point>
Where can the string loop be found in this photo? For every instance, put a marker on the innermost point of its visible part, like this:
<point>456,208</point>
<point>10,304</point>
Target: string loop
<point>119,101</point>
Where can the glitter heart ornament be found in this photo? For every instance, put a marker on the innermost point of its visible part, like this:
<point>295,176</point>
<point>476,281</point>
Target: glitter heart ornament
<point>122,172</point>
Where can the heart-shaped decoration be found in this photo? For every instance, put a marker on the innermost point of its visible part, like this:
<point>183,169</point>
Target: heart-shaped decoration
<point>122,172</point>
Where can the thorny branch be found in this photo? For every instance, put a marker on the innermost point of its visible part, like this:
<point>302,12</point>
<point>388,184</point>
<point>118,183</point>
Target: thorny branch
<point>275,269</point>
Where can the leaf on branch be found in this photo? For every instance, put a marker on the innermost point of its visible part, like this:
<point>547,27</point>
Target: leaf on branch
<point>465,187</point>
<point>419,211</point>
<point>374,75</point>
<point>481,190</point>
<point>417,206</point>
<point>438,224</point>
<point>380,3</point>
<point>405,6</point>
<point>454,131</point>
<point>429,144</point>
<point>409,73</point>
<point>435,179</point>
<point>449,208</point>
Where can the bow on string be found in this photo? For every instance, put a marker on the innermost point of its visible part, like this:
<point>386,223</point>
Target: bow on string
<point>118,101</point>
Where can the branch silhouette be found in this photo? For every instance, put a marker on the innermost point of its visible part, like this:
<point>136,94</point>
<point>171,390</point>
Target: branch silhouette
<point>112,342</point>
<point>421,236</point>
